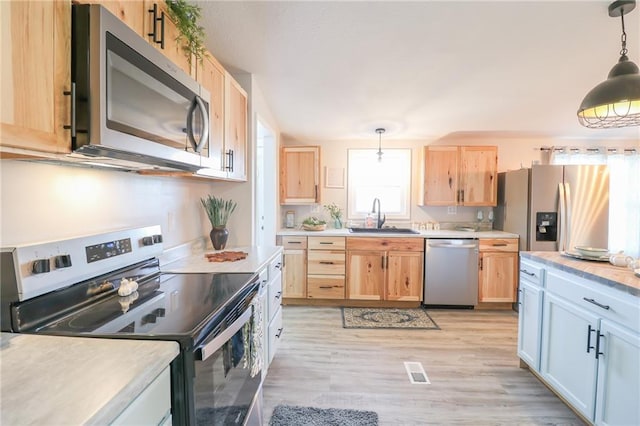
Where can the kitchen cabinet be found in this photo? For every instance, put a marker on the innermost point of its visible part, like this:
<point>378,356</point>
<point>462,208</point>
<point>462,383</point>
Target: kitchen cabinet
<point>294,284</point>
<point>498,270</point>
<point>272,312</point>
<point>160,31</point>
<point>36,74</point>
<point>300,175</point>
<point>326,268</point>
<point>460,175</point>
<point>385,268</point>
<point>235,129</point>
<point>590,347</point>
<point>131,12</point>
<point>211,75</point>
<point>152,406</point>
<point>530,312</point>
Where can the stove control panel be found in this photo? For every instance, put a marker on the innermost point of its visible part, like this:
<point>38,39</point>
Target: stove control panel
<point>44,267</point>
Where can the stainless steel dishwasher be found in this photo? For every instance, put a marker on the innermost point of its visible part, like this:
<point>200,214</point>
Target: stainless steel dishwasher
<point>451,272</point>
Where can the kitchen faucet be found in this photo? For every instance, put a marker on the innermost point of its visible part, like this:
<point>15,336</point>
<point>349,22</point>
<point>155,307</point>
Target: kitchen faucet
<point>373,210</point>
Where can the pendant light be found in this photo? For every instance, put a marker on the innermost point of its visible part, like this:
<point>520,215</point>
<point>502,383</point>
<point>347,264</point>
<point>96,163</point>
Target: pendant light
<point>616,101</point>
<point>380,131</point>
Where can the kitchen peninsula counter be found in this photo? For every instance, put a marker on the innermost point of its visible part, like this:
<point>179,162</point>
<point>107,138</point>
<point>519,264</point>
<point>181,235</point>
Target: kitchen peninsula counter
<point>257,258</point>
<point>90,382</point>
<point>601,272</point>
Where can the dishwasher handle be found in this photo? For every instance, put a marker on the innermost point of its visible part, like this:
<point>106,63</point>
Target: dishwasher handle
<point>454,246</point>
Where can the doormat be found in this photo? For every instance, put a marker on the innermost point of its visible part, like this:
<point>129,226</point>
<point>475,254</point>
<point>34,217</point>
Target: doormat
<point>289,415</point>
<point>414,318</point>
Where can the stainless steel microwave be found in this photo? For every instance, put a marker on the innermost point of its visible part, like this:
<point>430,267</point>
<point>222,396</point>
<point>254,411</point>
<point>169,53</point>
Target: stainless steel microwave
<point>130,102</point>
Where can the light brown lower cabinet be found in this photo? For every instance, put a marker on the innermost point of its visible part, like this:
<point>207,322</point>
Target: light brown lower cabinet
<point>326,268</point>
<point>294,283</point>
<point>498,271</point>
<point>385,268</point>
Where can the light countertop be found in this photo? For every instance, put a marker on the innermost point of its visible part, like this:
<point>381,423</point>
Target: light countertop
<point>257,258</point>
<point>618,277</point>
<point>441,233</point>
<point>50,380</point>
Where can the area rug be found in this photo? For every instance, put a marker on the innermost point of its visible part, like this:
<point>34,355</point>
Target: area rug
<point>290,415</point>
<point>414,318</point>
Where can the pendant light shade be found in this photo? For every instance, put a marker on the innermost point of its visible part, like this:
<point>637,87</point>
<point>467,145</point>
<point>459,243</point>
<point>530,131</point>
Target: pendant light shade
<point>616,101</point>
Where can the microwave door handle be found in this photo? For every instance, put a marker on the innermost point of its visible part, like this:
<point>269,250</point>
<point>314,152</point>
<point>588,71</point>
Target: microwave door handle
<point>210,347</point>
<point>197,103</point>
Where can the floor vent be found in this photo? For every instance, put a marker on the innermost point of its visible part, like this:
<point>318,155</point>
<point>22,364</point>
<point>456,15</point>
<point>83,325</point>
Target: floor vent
<point>416,373</point>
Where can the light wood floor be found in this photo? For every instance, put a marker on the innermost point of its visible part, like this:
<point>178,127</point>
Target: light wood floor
<point>471,363</point>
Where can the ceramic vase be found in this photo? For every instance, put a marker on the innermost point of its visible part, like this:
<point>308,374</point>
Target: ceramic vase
<point>219,235</point>
<point>337,223</point>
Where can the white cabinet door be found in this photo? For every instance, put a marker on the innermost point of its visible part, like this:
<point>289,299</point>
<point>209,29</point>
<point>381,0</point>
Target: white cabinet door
<point>530,324</point>
<point>568,362</point>
<point>618,393</point>
<point>275,332</point>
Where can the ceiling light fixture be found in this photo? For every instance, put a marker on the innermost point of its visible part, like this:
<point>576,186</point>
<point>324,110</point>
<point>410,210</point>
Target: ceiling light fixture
<point>380,131</point>
<point>616,101</point>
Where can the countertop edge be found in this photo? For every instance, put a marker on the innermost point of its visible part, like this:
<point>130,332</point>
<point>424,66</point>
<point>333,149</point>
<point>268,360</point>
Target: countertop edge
<point>442,233</point>
<point>574,266</point>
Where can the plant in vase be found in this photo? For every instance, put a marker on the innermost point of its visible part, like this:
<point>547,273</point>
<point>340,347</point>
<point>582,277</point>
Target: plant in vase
<point>218,211</point>
<point>336,214</point>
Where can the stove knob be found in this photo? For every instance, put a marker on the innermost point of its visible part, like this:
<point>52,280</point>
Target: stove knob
<point>62,261</point>
<point>157,238</point>
<point>40,266</point>
<point>147,241</point>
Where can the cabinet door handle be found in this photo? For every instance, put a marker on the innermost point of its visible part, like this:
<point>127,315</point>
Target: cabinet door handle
<point>278,294</point>
<point>382,262</point>
<point>279,333</point>
<point>154,34</point>
<point>600,305</point>
<point>589,331</point>
<point>316,189</point>
<point>278,265</point>
<point>480,265</point>
<point>72,93</point>
<point>524,271</point>
<point>598,353</point>
<point>323,262</point>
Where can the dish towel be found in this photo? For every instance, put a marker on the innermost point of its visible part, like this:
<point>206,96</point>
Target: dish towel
<point>253,333</point>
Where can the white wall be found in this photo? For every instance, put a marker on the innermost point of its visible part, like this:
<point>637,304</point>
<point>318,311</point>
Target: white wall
<point>514,151</point>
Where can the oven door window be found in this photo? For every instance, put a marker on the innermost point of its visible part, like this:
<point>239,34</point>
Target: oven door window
<point>224,387</point>
<point>144,101</point>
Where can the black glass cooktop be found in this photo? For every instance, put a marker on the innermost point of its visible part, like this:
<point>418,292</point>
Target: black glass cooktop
<point>164,306</point>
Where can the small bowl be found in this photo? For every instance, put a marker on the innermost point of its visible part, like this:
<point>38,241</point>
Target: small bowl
<point>314,227</point>
<point>592,251</point>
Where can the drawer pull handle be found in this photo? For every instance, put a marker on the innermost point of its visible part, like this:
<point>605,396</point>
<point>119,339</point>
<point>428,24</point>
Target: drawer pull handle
<point>279,333</point>
<point>294,242</point>
<point>324,242</point>
<point>589,331</point>
<point>499,244</point>
<point>524,271</point>
<point>600,305</point>
<point>323,262</point>
<point>278,265</point>
<point>326,286</point>
<point>278,294</point>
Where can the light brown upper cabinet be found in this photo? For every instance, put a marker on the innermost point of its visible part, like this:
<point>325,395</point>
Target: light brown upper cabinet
<point>36,71</point>
<point>460,175</point>
<point>160,31</point>
<point>211,75</point>
<point>131,12</point>
<point>235,129</point>
<point>300,175</point>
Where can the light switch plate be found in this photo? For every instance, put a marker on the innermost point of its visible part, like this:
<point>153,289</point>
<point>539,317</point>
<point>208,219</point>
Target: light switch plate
<point>452,210</point>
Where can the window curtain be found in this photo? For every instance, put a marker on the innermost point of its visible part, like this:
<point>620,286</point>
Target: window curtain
<point>624,194</point>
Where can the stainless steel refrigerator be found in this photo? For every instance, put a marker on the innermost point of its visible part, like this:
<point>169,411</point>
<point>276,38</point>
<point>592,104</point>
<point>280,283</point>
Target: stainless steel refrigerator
<point>555,208</point>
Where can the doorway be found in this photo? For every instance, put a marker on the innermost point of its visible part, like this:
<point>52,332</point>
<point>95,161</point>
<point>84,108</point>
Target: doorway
<point>265,185</point>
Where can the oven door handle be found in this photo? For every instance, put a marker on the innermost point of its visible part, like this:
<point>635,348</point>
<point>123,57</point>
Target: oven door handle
<point>209,348</point>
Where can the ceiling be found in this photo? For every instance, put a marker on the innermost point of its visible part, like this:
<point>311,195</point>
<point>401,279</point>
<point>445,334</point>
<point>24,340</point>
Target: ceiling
<point>335,70</point>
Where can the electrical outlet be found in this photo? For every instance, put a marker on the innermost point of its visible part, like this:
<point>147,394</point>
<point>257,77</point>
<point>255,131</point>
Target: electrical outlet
<point>452,210</point>
<point>315,208</point>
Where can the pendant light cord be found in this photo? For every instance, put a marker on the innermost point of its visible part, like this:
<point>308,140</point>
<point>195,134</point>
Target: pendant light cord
<point>623,37</point>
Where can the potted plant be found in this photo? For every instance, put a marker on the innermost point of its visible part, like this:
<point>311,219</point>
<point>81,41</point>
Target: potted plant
<point>312,223</point>
<point>218,211</point>
<point>336,214</point>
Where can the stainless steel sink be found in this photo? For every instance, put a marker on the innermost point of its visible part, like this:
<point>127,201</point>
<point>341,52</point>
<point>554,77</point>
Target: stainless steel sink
<point>384,230</point>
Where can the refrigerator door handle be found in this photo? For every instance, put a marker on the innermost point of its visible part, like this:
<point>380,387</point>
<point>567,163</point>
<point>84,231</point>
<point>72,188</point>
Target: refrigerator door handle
<point>561,217</point>
<point>567,224</point>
